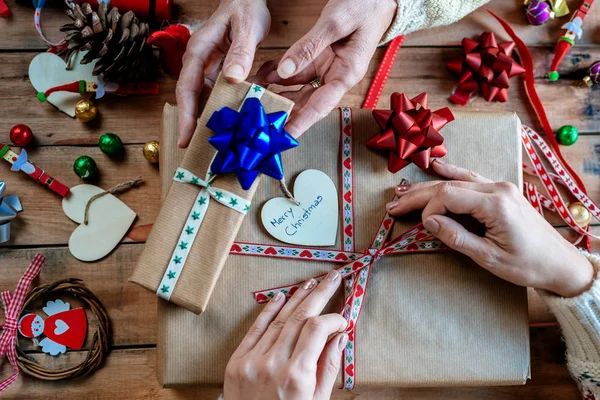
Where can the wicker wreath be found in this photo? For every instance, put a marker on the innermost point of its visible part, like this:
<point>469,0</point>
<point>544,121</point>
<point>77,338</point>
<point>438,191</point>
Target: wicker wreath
<point>99,348</point>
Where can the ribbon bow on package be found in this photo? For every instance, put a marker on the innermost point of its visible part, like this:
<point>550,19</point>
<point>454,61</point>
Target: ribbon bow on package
<point>13,306</point>
<point>410,132</point>
<point>10,206</point>
<point>486,67</point>
<point>250,141</point>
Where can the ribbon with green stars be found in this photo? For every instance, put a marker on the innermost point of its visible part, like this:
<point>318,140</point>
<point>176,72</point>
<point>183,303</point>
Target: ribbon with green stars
<point>192,225</point>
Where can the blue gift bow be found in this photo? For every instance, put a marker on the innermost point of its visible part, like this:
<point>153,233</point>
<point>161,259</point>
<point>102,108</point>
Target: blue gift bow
<point>249,142</point>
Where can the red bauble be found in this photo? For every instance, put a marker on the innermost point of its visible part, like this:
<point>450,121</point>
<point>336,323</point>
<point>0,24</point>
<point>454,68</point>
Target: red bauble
<point>21,135</point>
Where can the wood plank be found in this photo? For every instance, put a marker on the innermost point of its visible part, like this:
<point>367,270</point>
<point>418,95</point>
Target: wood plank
<point>291,20</point>
<point>138,119</point>
<point>131,308</point>
<point>43,222</point>
<point>130,374</point>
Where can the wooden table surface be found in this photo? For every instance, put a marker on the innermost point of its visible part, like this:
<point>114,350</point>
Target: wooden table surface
<point>129,371</point>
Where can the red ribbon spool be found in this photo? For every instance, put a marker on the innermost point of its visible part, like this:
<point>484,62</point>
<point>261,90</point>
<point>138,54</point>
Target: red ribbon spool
<point>410,132</point>
<point>486,66</point>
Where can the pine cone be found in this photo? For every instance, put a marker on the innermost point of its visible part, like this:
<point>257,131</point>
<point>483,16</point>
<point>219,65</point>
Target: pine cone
<point>117,41</point>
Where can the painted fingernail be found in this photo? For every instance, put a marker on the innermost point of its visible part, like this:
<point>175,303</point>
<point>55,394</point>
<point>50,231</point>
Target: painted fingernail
<point>343,341</point>
<point>309,284</point>
<point>332,275</point>
<point>437,160</point>
<point>278,296</point>
<point>392,205</point>
<point>286,68</point>
<point>432,225</point>
<point>403,188</point>
<point>235,71</point>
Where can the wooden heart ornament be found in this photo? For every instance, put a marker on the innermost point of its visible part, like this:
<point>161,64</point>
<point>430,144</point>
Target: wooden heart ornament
<point>312,223</point>
<point>48,70</point>
<point>109,219</point>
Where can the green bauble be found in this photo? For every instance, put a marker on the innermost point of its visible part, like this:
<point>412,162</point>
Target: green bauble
<point>85,167</point>
<point>110,144</point>
<point>567,135</point>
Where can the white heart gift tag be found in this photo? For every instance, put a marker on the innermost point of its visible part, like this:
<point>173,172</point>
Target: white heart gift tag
<point>48,70</point>
<point>314,222</point>
<point>109,219</point>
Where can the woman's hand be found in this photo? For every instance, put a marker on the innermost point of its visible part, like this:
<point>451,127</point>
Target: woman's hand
<point>519,245</point>
<point>337,50</point>
<point>229,39</point>
<point>288,353</point>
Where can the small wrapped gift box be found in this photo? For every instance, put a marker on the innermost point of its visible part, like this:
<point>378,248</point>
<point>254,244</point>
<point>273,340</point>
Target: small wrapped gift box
<point>432,319</point>
<point>189,243</point>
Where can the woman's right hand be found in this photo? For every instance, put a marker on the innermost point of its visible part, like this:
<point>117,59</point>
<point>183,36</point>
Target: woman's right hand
<point>228,40</point>
<point>519,245</point>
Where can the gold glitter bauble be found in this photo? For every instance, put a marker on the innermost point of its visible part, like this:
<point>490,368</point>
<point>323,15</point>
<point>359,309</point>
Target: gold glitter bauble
<point>582,215</point>
<point>151,150</point>
<point>85,110</point>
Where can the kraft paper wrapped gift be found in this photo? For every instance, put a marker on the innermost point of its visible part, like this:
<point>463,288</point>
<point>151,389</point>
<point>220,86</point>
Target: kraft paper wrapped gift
<point>428,319</point>
<point>215,235</point>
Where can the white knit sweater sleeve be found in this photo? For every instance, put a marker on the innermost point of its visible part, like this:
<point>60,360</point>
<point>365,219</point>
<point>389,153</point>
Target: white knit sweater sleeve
<point>412,15</point>
<point>579,318</point>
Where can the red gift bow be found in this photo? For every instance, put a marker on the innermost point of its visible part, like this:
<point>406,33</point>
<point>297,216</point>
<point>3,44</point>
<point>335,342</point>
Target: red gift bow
<point>486,66</point>
<point>410,132</point>
<point>356,276</point>
<point>13,305</point>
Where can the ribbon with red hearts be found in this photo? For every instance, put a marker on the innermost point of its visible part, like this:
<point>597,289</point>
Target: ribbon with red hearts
<point>485,66</point>
<point>410,132</point>
<point>356,276</point>
<point>13,306</point>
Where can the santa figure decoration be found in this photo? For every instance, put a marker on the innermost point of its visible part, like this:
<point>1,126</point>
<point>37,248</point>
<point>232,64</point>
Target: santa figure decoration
<point>63,328</point>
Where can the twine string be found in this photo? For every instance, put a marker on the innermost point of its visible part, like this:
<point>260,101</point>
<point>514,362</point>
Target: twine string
<point>119,188</point>
<point>287,192</point>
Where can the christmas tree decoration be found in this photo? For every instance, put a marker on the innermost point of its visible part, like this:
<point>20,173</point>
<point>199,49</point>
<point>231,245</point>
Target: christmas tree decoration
<point>85,110</point>
<point>593,76</point>
<point>116,42</point>
<point>567,135</point>
<point>100,88</point>
<point>103,219</point>
<point>538,12</point>
<point>111,144</point>
<point>249,142</point>
<point>581,214</point>
<point>63,328</point>
<point>48,70</point>
<point>410,132</point>
<point>151,151</point>
<point>19,162</point>
<point>10,206</point>
<point>85,167</point>
<point>486,66</point>
<point>172,42</point>
<point>21,135</point>
<point>311,222</point>
<point>571,30</point>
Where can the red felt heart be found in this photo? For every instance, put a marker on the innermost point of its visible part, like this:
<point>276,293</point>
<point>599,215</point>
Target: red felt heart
<point>350,370</point>
<point>236,248</point>
<point>348,130</point>
<point>387,223</point>
<point>261,297</point>
<point>348,230</point>
<point>270,251</point>
<point>348,163</point>
<point>341,257</point>
<point>348,196</point>
<point>357,265</point>
<point>412,247</point>
<point>359,291</point>
<point>306,254</point>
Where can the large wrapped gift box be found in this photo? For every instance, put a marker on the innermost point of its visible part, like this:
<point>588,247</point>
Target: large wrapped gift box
<point>434,319</point>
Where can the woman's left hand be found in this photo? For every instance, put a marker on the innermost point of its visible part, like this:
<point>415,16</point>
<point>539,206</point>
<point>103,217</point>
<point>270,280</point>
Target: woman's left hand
<point>337,50</point>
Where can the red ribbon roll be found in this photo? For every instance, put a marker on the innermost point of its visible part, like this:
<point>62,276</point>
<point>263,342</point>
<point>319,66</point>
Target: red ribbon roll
<point>486,66</point>
<point>410,132</point>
